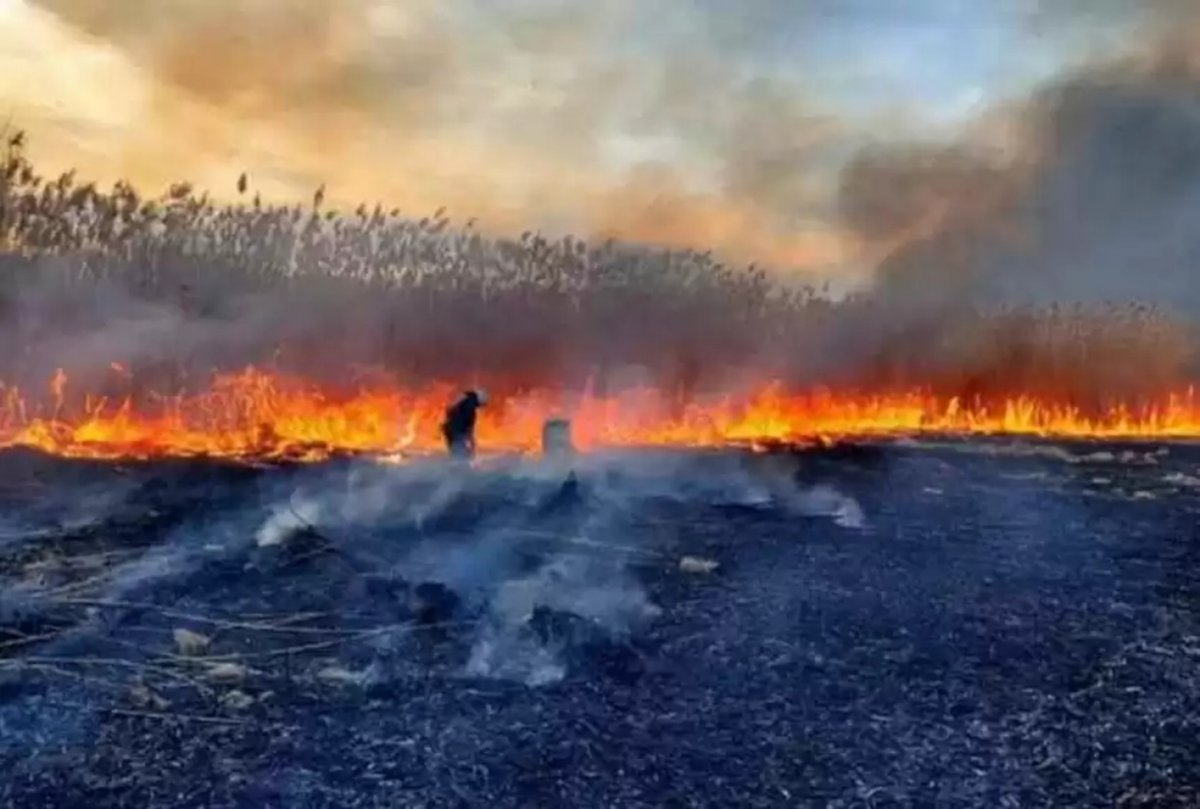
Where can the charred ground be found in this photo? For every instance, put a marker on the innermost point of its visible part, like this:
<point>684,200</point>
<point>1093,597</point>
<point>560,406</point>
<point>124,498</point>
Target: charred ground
<point>984,624</point>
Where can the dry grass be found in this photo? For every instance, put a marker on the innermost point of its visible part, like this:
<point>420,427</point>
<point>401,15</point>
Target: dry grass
<point>333,293</point>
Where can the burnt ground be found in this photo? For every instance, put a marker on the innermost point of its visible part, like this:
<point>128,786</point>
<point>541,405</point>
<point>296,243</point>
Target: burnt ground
<point>986,624</point>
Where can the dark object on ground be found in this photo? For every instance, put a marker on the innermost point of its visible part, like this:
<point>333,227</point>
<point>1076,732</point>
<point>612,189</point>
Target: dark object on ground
<point>586,646</point>
<point>385,587</point>
<point>568,497</point>
<point>386,595</point>
<point>458,428</point>
<point>433,602</point>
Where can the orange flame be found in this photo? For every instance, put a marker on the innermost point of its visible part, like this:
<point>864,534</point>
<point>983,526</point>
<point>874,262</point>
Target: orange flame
<point>257,414</point>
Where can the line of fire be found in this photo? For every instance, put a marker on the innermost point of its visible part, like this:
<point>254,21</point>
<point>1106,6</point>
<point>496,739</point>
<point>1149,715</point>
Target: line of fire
<point>259,414</point>
<point>726,357</point>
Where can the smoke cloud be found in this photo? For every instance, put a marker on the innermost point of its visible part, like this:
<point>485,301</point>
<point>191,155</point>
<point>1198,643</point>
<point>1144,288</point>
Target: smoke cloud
<point>523,115</point>
<point>1087,204</point>
<point>670,128</point>
<point>1075,199</point>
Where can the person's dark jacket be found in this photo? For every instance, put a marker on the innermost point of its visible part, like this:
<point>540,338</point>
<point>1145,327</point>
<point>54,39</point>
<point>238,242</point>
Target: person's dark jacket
<point>458,428</point>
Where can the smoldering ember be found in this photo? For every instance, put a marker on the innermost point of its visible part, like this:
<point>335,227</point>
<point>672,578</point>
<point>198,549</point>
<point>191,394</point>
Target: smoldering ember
<point>325,504</point>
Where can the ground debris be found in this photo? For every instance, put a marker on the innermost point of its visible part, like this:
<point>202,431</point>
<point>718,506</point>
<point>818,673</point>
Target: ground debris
<point>237,700</point>
<point>227,673</point>
<point>1182,479</point>
<point>338,675</point>
<point>191,644</point>
<point>699,565</point>
<point>142,697</point>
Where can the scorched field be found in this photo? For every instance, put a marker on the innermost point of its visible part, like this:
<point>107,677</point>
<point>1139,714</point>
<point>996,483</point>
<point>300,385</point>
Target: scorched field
<point>955,624</point>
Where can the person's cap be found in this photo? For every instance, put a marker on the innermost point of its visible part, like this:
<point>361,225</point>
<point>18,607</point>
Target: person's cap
<point>481,395</point>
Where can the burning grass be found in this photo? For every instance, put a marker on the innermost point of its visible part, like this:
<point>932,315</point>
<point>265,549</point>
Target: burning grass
<point>258,414</point>
<point>187,327</point>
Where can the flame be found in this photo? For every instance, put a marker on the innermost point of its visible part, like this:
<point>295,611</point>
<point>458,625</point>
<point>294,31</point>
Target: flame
<point>258,414</point>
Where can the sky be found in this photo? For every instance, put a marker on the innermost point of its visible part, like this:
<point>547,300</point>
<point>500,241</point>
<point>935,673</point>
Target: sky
<point>719,124</point>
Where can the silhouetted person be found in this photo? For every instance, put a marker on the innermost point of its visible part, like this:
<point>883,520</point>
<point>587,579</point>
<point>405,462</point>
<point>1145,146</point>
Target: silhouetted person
<point>459,427</point>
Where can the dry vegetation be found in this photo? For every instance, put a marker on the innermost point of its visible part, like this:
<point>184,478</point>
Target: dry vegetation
<point>332,292</point>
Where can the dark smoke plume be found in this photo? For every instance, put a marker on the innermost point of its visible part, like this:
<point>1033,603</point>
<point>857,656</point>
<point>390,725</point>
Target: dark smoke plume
<point>1093,207</point>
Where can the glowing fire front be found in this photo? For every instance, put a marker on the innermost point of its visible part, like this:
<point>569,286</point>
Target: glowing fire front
<point>268,415</point>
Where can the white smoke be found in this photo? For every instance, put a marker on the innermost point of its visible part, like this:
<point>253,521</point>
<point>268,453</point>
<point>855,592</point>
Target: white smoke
<point>286,520</point>
<point>827,501</point>
<point>603,595</point>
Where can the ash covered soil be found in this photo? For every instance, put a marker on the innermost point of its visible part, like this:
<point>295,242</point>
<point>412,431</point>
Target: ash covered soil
<point>965,624</point>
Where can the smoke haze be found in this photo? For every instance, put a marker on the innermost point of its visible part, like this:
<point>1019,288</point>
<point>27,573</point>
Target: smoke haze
<point>1056,169</point>
<point>688,126</point>
<point>520,114</point>
<point>1090,208</point>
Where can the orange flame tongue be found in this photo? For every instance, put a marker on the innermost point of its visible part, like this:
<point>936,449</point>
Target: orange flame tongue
<point>257,414</point>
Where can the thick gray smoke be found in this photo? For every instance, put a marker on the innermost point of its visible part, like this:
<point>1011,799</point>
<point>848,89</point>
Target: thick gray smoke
<point>1082,211</point>
<point>1091,204</point>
